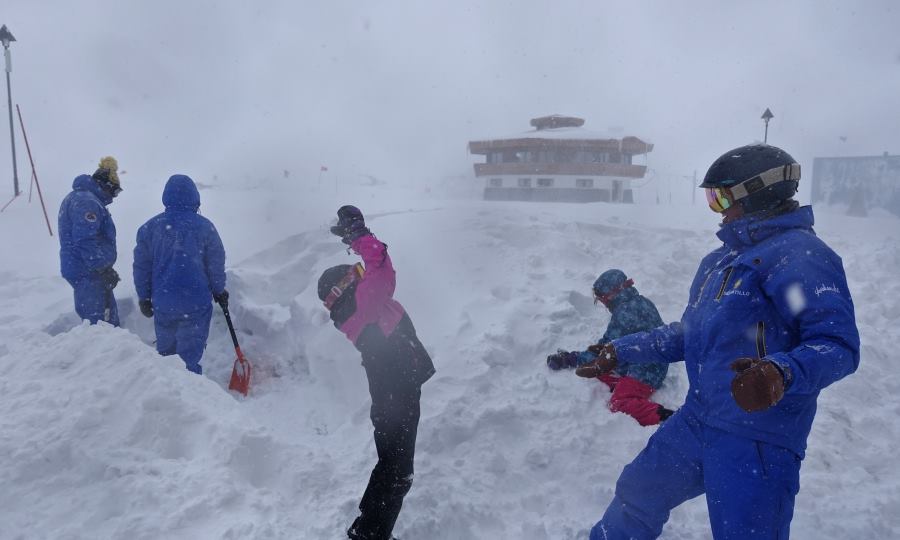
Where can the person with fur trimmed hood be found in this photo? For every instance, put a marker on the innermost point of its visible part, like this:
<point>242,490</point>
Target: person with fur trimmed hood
<point>359,299</point>
<point>768,325</point>
<point>631,384</point>
<point>87,242</point>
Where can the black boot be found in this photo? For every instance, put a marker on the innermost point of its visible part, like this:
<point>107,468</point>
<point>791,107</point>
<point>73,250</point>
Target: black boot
<point>664,413</point>
<point>353,533</point>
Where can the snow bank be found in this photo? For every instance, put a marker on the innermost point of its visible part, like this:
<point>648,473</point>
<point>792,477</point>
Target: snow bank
<point>105,439</point>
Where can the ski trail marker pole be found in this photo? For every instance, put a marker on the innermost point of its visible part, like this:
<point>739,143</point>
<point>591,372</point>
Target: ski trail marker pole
<point>33,171</point>
<point>9,203</point>
<point>240,373</point>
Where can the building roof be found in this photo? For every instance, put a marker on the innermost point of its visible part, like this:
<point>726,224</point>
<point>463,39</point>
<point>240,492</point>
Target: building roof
<point>556,131</point>
<point>556,121</point>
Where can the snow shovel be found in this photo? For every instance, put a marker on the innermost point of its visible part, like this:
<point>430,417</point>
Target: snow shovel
<point>240,374</point>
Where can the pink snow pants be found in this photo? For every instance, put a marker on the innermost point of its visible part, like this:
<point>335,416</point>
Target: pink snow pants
<point>632,397</point>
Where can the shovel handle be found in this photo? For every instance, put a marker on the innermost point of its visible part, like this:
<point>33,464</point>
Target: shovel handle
<point>234,339</point>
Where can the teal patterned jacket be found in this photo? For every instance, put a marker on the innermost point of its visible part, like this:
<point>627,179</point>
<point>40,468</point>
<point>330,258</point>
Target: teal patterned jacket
<point>632,313</point>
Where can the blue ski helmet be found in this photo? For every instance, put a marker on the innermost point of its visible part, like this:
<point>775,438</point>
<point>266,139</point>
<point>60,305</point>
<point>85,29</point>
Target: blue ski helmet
<point>609,280</point>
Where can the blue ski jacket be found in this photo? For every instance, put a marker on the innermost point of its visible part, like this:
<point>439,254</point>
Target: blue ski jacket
<point>774,290</point>
<point>632,313</point>
<point>179,259</point>
<point>87,234</point>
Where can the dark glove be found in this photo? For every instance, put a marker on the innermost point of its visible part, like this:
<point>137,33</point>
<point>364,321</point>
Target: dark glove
<point>562,360</point>
<point>351,224</point>
<point>606,361</point>
<point>110,278</point>
<point>221,298</point>
<point>146,307</point>
<point>758,384</point>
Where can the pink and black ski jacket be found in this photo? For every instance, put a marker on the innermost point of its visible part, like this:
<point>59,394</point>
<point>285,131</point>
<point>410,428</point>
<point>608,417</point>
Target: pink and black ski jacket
<point>374,293</point>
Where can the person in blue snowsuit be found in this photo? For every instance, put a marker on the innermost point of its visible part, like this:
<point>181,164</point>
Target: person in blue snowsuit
<point>768,325</point>
<point>631,384</point>
<point>179,268</point>
<point>87,243</point>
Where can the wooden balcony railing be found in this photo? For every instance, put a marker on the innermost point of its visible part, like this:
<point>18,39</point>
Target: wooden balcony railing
<point>549,169</point>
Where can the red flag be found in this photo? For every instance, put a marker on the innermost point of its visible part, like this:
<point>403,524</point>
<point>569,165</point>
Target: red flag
<point>323,168</point>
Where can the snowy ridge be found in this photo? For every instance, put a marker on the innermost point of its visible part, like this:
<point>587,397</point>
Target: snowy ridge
<point>111,441</point>
<point>108,440</point>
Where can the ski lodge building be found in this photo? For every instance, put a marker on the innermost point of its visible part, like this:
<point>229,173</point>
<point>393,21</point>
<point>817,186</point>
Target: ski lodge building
<point>559,161</point>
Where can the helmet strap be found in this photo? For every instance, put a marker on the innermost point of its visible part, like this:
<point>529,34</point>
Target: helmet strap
<point>764,180</point>
<point>352,276</point>
<point>607,298</point>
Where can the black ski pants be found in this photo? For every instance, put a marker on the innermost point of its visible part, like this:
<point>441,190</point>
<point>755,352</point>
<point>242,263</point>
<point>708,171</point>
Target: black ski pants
<point>395,417</point>
<point>396,367</point>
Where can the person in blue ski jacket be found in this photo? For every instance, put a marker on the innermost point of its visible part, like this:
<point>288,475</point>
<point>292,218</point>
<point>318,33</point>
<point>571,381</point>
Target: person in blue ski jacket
<point>179,268</point>
<point>87,243</point>
<point>769,324</point>
<point>631,384</point>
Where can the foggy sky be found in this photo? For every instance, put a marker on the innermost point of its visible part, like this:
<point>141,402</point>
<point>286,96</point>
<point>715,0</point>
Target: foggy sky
<point>396,89</point>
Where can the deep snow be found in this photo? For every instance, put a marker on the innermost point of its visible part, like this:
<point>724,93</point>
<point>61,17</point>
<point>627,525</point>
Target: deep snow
<point>102,438</point>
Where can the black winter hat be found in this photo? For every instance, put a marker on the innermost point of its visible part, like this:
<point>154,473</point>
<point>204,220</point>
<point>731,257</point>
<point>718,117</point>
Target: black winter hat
<point>107,175</point>
<point>345,306</point>
<point>330,278</point>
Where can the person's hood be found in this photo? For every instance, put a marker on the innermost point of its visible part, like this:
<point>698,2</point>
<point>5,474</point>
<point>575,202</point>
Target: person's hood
<point>83,182</point>
<point>181,194</point>
<point>750,231</point>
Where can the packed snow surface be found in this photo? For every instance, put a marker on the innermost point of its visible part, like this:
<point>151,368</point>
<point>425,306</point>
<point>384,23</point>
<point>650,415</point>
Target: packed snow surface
<point>102,438</point>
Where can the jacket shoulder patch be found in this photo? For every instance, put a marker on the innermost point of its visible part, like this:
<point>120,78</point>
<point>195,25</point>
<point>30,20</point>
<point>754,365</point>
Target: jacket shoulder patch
<point>90,216</point>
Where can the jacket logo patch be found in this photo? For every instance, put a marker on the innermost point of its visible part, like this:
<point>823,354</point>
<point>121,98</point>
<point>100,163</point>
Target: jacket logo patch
<point>735,290</point>
<point>827,288</point>
<point>90,216</point>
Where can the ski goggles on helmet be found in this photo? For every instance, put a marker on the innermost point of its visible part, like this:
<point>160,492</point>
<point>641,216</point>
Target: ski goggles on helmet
<point>607,297</point>
<point>718,200</point>
<point>352,276</point>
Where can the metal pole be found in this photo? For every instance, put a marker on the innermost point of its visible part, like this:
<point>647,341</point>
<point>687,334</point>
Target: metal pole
<point>12,132</point>
<point>34,178</point>
<point>694,188</point>
<point>766,116</point>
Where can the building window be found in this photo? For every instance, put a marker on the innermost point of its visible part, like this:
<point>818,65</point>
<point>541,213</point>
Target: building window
<point>544,182</point>
<point>526,156</point>
<point>524,182</point>
<point>495,182</point>
<point>584,182</point>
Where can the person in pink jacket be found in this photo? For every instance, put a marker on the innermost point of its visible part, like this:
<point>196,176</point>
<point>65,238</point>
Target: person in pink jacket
<point>360,302</point>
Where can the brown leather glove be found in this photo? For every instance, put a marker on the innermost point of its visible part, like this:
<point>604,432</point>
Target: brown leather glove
<point>605,362</point>
<point>758,384</point>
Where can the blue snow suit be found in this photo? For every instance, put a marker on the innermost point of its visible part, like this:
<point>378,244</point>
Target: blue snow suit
<point>775,291</point>
<point>179,263</point>
<point>632,313</point>
<point>87,248</point>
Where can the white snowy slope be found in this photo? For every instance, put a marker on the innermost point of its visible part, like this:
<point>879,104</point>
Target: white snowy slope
<point>102,438</point>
